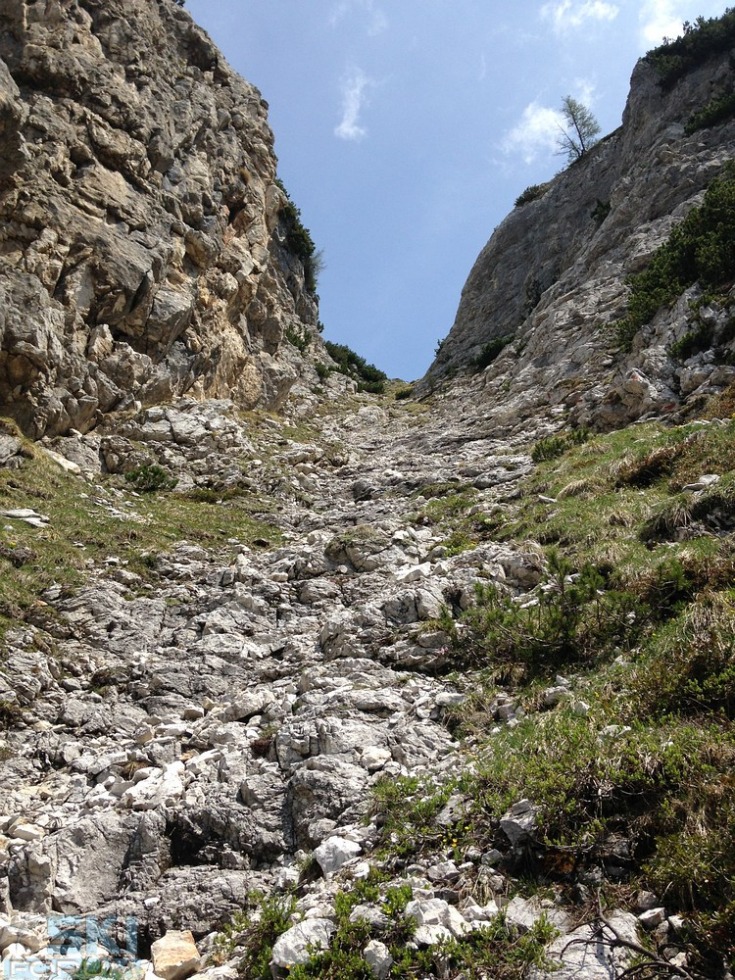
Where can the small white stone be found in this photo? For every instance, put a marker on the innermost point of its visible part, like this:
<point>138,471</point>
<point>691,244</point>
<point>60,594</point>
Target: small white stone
<point>677,922</point>
<point>652,917</point>
<point>334,852</point>
<point>378,958</point>
<point>374,758</point>
<point>415,573</point>
<point>646,900</point>
<point>297,943</point>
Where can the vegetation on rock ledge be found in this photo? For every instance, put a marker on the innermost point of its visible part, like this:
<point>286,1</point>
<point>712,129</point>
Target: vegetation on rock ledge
<point>368,377</point>
<point>299,241</point>
<point>703,39</point>
<point>701,249</point>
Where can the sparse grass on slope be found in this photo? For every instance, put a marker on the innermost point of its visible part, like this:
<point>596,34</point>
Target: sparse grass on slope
<point>633,771</point>
<point>89,522</point>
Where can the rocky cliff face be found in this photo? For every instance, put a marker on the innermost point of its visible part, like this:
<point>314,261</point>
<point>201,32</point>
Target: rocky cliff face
<point>380,661</point>
<point>552,279</point>
<point>144,241</point>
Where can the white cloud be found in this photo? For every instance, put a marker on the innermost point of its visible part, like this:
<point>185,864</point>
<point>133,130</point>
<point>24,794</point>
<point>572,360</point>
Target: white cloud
<point>377,19</point>
<point>354,97</point>
<point>584,91</point>
<point>659,19</point>
<point>566,14</point>
<point>537,132</point>
<point>338,12</point>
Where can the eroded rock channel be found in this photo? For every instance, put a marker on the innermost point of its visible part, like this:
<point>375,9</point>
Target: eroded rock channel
<point>181,740</point>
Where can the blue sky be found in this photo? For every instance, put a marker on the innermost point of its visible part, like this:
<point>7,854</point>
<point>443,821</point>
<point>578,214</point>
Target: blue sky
<point>406,129</point>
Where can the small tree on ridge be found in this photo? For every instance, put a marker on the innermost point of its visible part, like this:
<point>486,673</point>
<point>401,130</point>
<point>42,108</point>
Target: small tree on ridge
<point>581,130</point>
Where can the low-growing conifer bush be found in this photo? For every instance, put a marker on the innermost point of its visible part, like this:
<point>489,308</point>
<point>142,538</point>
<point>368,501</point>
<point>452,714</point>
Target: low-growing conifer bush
<point>150,477</point>
<point>701,39</point>
<point>368,377</point>
<point>701,249</point>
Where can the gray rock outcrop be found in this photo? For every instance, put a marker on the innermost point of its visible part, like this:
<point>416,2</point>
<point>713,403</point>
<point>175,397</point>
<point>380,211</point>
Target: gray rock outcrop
<point>552,279</point>
<point>146,246</point>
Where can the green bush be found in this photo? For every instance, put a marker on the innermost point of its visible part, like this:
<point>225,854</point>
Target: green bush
<point>490,351</point>
<point>344,959</point>
<point>532,193</point>
<point>692,342</point>
<point>701,40</point>
<point>700,249</point>
<point>10,713</point>
<point>298,338</point>
<point>716,111</point>
<point>368,377</point>
<point>97,969</point>
<point>549,447</point>
<point>408,806</point>
<point>600,211</point>
<point>576,619</point>
<point>404,393</point>
<point>299,241</point>
<point>150,477</point>
<point>256,930</point>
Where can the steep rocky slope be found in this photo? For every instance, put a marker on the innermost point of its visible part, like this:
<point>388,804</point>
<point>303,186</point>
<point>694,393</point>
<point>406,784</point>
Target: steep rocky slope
<point>279,695</point>
<point>147,249</point>
<point>552,280</point>
<point>371,686</point>
<point>189,726</point>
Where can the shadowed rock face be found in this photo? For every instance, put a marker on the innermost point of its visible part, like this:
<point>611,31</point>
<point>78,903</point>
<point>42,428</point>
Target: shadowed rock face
<point>552,278</point>
<point>143,247</point>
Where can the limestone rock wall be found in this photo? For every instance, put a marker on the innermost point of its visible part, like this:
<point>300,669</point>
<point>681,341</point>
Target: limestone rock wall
<point>553,275</point>
<point>143,249</point>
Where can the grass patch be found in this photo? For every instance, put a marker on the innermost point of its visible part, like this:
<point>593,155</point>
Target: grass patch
<point>449,508</point>
<point>688,669</point>
<point>89,522</point>
<point>637,603</point>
